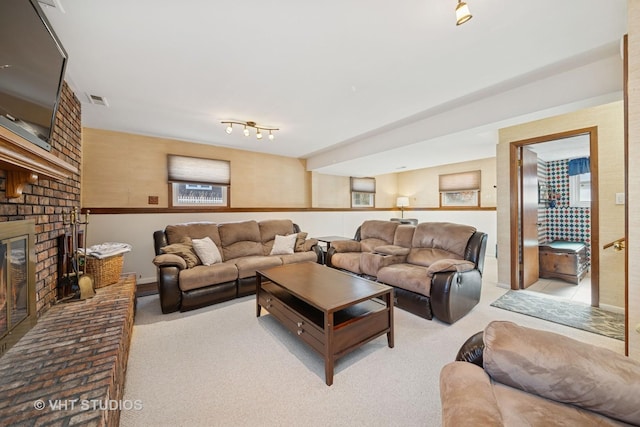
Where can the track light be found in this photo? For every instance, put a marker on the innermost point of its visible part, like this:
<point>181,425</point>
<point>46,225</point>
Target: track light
<point>462,13</point>
<point>248,125</point>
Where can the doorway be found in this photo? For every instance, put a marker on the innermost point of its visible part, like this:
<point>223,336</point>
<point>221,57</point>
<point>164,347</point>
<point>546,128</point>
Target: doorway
<point>562,214</point>
<point>537,197</point>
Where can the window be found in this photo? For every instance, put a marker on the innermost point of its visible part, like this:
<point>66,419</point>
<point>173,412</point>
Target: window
<point>580,190</point>
<point>198,194</point>
<point>579,171</point>
<point>363,192</point>
<point>198,182</point>
<point>460,189</point>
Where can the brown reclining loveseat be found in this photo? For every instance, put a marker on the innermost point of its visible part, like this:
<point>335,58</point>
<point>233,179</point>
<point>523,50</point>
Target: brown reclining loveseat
<point>435,267</point>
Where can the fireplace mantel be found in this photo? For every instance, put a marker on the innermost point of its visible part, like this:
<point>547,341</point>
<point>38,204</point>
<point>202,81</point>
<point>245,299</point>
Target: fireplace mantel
<point>24,162</point>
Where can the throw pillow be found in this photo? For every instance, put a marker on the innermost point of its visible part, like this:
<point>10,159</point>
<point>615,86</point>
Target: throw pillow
<point>183,250</point>
<point>207,251</point>
<point>301,237</point>
<point>283,245</point>
<point>309,244</point>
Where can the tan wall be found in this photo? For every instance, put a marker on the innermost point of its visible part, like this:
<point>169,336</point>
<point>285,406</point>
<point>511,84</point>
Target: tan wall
<point>609,121</point>
<point>421,186</point>
<point>330,191</point>
<point>633,196</point>
<point>333,191</point>
<point>386,190</point>
<point>122,170</point>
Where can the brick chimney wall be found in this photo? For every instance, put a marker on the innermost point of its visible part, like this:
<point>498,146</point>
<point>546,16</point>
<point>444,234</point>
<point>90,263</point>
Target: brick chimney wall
<point>46,200</point>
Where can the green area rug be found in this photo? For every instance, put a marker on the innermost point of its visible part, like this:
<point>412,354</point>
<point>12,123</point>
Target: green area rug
<point>568,313</point>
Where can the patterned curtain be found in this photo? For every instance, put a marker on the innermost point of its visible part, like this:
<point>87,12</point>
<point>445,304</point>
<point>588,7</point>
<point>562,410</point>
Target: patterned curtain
<point>579,166</point>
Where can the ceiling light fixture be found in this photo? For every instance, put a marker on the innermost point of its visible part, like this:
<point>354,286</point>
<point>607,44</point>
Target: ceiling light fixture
<point>462,13</point>
<point>248,125</point>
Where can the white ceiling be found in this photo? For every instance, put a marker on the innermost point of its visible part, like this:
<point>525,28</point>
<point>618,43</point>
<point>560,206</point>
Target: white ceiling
<point>565,148</point>
<point>360,87</point>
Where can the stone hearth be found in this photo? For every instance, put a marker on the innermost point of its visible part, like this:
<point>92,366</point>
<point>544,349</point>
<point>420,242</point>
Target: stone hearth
<point>70,367</point>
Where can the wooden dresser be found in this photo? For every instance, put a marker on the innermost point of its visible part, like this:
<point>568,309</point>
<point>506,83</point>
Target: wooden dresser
<point>563,260</point>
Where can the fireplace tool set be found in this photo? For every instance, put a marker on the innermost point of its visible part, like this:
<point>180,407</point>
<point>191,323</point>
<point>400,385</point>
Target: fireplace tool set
<point>78,281</point>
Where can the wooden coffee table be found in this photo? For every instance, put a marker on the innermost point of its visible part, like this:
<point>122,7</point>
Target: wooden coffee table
<point>332,311</point>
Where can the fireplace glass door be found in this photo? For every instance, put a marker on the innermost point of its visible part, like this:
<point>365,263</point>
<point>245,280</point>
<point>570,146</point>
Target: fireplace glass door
<point>4,312</point>
<point>14,289</point>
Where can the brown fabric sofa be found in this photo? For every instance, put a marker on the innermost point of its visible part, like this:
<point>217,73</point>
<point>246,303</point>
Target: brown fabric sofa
<point>510,375</point>
<point>241,248</point>
<point>435,267</point>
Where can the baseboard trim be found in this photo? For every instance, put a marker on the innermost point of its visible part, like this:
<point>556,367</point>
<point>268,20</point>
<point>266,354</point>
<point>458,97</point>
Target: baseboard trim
<point>612,308</point>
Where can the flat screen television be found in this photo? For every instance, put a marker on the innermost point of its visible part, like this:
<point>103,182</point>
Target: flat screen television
<point>32,65</point>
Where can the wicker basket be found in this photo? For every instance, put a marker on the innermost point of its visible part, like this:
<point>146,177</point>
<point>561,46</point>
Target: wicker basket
<point>105,271</point>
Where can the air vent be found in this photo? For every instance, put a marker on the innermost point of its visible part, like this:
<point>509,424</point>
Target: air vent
<point>52,3</point>
<point>98,100</point>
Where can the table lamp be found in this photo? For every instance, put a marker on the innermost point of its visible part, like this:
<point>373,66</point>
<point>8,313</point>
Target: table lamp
<point>401,202</point>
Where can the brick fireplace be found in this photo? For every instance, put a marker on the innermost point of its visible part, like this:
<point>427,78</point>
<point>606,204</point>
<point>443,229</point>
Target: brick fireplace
<point>46,200</point>
<point>76,351</point>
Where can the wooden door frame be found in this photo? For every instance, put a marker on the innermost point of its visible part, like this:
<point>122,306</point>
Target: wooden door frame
<point>594,211</point>
<point>625,80</point>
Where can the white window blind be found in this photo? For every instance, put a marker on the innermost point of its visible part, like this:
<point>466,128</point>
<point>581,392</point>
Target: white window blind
<point>363,185</point>
<point>464,181</point>
<point>199,170</point>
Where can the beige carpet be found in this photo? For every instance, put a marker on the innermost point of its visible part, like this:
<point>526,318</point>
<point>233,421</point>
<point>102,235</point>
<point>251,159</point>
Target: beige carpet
<point>222,366</point>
